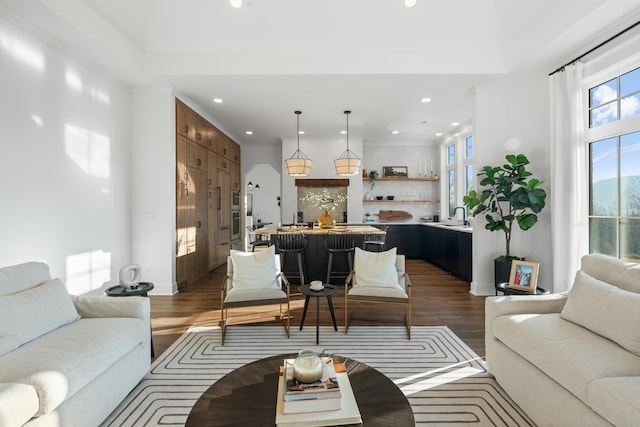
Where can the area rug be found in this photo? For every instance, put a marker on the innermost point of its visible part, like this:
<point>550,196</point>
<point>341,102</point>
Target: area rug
<point>445,382</point>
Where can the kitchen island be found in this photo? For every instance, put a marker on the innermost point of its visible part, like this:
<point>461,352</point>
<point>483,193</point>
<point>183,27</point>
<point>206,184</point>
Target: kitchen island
<point>316,257</point>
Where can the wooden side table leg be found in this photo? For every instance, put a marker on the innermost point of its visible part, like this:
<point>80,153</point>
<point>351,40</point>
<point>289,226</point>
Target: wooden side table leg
<point>333,315</point>
<point>304,310</point>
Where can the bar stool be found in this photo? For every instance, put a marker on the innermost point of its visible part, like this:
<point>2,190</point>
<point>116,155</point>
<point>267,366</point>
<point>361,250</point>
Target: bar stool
<point>292,242</point>
<point>339,242</point>
<point>259,240</point>
<point>376,241</point>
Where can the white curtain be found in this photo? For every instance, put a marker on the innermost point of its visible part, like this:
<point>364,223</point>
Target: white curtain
<point>569,178</point>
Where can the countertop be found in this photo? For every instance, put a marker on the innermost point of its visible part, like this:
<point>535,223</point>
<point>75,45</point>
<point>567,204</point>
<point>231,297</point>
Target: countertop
<point>445,225</point>
<point>355,229</point>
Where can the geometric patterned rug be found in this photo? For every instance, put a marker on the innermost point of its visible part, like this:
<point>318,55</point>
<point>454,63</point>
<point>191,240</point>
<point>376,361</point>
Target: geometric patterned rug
<point>445,382</point>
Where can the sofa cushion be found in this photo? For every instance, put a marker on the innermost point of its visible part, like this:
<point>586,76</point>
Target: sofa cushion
<point>254,270</point>
<point>65,360</point>
<point>376,269</point>
<point>623,274</point>
<point>571,355</point>
<point>605,310</point>
<point>18,404</point>
<point>17,278</point>
<point>34,312</point>
<point>616,399</point>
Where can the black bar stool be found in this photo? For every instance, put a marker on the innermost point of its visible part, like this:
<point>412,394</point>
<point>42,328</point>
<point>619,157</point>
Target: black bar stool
<point>292,242</point>
<point>259,241</point>
<point>337,242</point>
<point>376,241</point>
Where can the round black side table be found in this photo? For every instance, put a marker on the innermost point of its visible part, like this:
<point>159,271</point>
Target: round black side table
<point>141,290</point>
<point>327,291</point>
<point>506,290</point>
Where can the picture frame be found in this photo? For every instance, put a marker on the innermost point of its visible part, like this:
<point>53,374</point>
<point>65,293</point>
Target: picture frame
<point>524,276</point>
<point>394,172</point>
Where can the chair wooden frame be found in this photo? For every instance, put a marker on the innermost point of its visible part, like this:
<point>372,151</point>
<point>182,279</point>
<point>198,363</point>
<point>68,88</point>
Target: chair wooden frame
<point>226,305</point>
<point>376,299</point>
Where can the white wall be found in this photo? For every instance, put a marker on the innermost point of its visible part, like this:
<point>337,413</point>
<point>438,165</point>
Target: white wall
<point>501,114</point>
<point>64,164</point>
<point>153,188</point>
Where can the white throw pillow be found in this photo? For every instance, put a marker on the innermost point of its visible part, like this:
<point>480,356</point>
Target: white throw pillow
<point>29,314</point>
<point>376,268</point>
<point>604,309</point>
<point>254,270</point>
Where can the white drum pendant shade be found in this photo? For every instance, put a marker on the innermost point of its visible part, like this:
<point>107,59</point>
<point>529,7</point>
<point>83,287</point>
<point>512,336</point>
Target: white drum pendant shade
<point>348,163</point>
<point>298,164</point>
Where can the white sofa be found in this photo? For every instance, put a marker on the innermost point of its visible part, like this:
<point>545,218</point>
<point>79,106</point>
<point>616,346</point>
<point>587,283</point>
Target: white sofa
<point>66,361</point>
<point>572,359</point>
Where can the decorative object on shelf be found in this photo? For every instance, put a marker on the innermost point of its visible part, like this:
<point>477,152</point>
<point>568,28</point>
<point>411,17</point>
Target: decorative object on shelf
<point>390,197</point>
<point>373,175</point>
<point>325,201</point>
<point>298,164</point>
<point>524,276</point>
<point>129,276</point>
<point>509,194</point>
<point>395,172</point>
<point>348,163</point>
<point>379,197</point>
<point>307,367</point>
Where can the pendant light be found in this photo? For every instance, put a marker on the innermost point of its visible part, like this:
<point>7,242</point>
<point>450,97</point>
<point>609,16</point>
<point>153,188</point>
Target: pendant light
<point>298,164</point>
<point>348,163</point>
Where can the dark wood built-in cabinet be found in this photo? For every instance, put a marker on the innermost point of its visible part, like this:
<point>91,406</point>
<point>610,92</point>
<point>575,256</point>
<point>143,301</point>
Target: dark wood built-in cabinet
<point>207,170</point>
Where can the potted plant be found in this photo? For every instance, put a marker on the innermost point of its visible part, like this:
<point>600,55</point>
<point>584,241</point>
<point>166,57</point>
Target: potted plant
<point>509,195</point>
<point>373,175</point>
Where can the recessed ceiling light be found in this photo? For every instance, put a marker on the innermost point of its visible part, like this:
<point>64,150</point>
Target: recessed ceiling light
<point>301,132</point>
<point>439,134</point>
<point>236,3</point>
<point>217,100</point>
<point>410,3</point>
<point>395,132</point>
<point>455,124</point>
<point>343,132</point>
<point>426,99</point>
<point>249,132</point>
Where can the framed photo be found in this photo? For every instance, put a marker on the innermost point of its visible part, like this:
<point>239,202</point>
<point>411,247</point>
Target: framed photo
<point>524,276</point>
<point>394,172</point>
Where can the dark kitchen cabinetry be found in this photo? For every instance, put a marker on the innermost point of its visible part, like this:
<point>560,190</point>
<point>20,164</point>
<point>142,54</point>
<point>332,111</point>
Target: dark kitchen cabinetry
<point>448,249</point>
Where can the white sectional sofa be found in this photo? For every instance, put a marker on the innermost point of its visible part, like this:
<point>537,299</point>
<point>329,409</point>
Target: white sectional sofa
<point>64,360</point>
<point>572,359</point>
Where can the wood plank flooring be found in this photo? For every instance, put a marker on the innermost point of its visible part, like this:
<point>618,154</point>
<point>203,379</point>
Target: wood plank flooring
<point>438,299</point>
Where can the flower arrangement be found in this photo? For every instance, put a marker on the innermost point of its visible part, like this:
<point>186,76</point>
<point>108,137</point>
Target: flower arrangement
<point>324,200</point>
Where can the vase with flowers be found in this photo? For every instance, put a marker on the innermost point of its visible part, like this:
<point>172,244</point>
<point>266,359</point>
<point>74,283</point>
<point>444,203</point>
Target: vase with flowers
<point>327,202</point>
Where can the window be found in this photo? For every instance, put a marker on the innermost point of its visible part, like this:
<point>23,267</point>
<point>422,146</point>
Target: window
<point>451,178</point>
<point>614,196</point>
<point>468,167</point>
<point>615,99</point>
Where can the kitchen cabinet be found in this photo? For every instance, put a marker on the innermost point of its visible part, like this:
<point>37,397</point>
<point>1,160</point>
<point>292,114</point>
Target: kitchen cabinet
<point>448,249</point>
<point>204,181</point>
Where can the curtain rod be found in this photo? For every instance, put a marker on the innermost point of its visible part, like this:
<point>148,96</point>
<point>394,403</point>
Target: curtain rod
<point>597,47</point>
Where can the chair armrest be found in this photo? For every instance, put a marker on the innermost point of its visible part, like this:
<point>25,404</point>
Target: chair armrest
<point>104,306</point>
<point>349,278</point>
<point>223,285</point>
<point>285,281</point>
<point>407,281</point>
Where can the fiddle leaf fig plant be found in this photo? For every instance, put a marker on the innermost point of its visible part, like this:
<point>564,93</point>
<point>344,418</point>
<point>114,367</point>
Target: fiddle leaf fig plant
<point>509,194</point>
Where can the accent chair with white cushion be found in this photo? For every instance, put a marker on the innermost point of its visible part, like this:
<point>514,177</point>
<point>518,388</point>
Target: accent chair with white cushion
<point>66,360</point>
<point>572,358</point>
<point>253,279</point>
<point>378,278</point>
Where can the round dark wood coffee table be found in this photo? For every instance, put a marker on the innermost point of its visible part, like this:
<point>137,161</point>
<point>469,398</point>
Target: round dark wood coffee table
<point>247,396</point>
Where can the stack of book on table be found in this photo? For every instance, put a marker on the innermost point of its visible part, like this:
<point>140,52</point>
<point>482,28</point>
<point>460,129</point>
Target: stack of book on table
<point>327,402</point>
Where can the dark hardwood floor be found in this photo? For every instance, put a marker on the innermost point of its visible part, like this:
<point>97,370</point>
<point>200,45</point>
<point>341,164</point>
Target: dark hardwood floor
<point>438,299</point>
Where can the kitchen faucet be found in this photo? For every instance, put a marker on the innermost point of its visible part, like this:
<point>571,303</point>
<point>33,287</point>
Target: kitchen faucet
<point>464,214</point>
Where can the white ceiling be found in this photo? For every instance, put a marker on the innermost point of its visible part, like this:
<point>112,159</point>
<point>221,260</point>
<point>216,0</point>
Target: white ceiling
<point>376,58</point>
